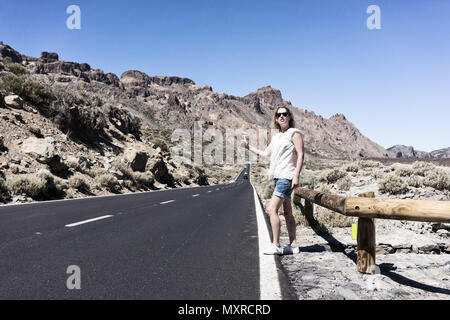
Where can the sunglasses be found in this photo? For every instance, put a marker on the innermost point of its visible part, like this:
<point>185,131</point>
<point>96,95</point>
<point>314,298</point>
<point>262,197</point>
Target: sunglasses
<point>282,114</point>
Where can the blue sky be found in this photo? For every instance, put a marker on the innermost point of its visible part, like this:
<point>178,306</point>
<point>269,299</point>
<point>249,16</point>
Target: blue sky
<point>392,83</point>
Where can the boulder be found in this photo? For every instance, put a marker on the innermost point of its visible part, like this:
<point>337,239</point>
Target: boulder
<point>84,163</point>
<point>49,56</point>
<point>57,166</point>
<point>14,101</point>
<point>138,160</point>
<point>40,149</point>
<point>159,169</point>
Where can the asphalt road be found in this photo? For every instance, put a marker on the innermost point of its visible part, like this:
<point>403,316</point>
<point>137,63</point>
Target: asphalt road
<point>190,243</point>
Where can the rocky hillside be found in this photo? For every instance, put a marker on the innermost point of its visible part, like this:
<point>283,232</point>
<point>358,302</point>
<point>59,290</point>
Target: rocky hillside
<point>164,102</point>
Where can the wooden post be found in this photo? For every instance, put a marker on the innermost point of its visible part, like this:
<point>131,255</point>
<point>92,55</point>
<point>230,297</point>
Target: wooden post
<point>366,243</point>
<point>309,213</point>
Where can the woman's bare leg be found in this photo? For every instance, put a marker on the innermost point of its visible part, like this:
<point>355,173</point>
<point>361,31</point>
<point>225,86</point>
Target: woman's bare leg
<point>272,211</point>
<point>290,222</point>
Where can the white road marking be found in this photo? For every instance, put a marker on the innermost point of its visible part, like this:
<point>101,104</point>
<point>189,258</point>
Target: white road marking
<point>87,221</point>
<point>269,283</point>
<point>164,202</point>
<point>209,191</point>
<point>196,195</point>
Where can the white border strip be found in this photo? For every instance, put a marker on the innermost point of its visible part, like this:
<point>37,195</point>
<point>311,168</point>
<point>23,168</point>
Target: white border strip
<point>269,283</point>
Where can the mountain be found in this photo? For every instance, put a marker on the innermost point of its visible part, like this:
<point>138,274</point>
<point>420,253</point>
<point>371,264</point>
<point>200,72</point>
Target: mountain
<point>169,102</point>
<point>402,151</point>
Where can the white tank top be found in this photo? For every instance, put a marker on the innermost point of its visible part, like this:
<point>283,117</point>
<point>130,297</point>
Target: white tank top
<point>283,159</point>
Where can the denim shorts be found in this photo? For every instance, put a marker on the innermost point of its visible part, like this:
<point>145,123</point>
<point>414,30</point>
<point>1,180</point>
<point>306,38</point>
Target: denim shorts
<point>283,188</point>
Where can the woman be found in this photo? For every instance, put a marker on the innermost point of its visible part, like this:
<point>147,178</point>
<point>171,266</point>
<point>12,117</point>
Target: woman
<point>286,159</point>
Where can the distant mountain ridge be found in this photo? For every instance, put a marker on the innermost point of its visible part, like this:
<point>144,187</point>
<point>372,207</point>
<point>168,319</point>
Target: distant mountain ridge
<point>170,102</point>
<point>402,151</point>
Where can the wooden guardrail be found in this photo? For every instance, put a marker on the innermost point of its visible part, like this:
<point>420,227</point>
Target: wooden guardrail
<point>366,208</point>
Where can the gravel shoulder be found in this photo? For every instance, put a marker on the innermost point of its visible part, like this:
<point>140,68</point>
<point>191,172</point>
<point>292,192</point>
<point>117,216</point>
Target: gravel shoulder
<point>325,268</point>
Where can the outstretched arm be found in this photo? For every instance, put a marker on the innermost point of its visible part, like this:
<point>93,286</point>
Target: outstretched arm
<point>266,153</point>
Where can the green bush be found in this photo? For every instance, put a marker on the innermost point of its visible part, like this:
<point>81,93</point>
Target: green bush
<point>29,90</point>
<point>392,184</point>
<point>16,68</point>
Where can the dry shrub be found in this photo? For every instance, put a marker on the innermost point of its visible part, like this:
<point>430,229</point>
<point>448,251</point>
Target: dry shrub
<point>79,183</point>
<point>331,176</point>
<point>268,188</point>
<point>109,182</point>
<point>392,184</point>
<point>344,184</point>
<point>404,171</point>
<point>350,167</point>
<point>438,179</point>
<point>4,190</point>
<point>144,180</point>
<point>415,181</point>
<point>39,186</point>
<point>421,168</point>
<point>362,164</point>
<point>308,178</point>
<point>333,219</point>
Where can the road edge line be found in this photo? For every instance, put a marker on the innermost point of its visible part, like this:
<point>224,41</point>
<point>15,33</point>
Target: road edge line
<point>269,282</point>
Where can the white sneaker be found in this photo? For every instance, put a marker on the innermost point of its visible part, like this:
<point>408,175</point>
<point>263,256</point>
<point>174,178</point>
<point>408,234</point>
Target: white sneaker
<point>290,250</point>
<point>273,249</point>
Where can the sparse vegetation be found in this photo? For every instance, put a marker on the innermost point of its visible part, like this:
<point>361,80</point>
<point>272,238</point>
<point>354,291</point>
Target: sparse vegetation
<point>332,219</point>
<point>415,181</point>
<point>363,164</point>
<point>308,178</point>
<point>144,180</point>
<point>109,182</point>
<point>404,171</point>
<point>269,187</point>
<point>78,182</point>
<point>438,179</point>
<point>350,167</point>
<point>4,190</point>
<point>421,168</point>
<point>392,184</point>
<point>39,186</point>
<point>125,121</point>
<point>344,184</point>
<point>331,176</point>
<point>161,144</point>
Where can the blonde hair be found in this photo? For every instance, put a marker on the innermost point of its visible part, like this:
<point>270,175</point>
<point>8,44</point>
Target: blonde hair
<point>291,118</point>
